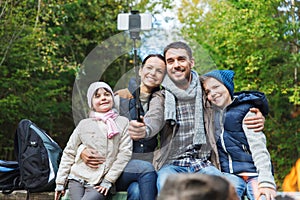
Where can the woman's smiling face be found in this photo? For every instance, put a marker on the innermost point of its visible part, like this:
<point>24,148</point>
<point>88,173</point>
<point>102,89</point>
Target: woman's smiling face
<point>152,73</point>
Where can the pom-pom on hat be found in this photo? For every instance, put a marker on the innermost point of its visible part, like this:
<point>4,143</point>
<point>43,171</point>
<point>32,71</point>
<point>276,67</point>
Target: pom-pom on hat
<point>92,89</point>
<point>225,77</point>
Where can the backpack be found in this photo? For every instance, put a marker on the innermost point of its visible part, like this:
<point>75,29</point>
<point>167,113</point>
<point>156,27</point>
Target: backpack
<point>38,156</point>
<point>9,176</point>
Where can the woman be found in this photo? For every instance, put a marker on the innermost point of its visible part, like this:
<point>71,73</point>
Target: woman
<point>139,176</point>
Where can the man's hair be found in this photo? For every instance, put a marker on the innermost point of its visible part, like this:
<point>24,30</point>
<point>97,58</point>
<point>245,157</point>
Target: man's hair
<point>179,45</point>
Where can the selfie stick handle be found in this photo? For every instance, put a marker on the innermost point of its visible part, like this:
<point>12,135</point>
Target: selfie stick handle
<point>137,78</point>
<point>134,30</point>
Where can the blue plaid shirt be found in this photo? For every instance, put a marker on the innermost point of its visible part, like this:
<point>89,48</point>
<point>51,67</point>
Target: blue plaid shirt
<point>193,162</point>
<point>184,153</point>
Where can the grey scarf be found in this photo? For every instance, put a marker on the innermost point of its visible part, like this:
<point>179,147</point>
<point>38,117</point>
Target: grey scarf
<point>194,91</point>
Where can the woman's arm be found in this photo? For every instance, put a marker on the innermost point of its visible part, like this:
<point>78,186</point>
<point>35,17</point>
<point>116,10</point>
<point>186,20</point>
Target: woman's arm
<point>154,118</point>
<point>153,121</point>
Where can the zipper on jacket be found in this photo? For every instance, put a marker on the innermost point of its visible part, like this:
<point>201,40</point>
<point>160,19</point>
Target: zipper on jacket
<point>228,155</point>
<point>222,140</point>
<point>245,149</point>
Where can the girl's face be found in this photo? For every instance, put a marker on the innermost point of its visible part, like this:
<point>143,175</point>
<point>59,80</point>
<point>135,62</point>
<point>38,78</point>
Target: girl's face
<point>152,74</point>
<point>216,92</point>
<point>102,101</point>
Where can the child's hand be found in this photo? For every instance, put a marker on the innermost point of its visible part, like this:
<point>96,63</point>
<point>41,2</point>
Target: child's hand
<point>104,187</point>
<point>269,193</point>
<point>102,190</point>
<point>59,194</point>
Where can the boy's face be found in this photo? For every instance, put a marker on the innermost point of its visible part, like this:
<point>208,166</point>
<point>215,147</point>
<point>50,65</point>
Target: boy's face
<point>179,67</point>
<point>102,101</point>
<point>216,92</point>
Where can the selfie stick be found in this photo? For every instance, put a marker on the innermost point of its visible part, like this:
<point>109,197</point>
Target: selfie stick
<point>134,30</point>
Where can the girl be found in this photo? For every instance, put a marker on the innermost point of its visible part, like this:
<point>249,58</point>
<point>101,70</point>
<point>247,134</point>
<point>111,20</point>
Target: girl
<point>104,131</point>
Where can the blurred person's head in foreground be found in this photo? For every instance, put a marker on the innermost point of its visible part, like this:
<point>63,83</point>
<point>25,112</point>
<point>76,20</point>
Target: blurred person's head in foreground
<point>197,187</point>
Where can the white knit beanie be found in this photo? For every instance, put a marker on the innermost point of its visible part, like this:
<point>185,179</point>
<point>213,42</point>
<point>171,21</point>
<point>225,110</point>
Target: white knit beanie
<point>92,89</point>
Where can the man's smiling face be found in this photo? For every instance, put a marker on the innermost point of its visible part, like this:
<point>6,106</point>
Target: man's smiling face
<point>179,67</point>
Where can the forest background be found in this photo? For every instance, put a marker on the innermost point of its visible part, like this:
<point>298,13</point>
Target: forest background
<point>44,45</point>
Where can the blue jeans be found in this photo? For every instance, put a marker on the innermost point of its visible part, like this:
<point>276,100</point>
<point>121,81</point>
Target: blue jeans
<point>139,180</point>
<point>246,186</point>
<point>167,170</point>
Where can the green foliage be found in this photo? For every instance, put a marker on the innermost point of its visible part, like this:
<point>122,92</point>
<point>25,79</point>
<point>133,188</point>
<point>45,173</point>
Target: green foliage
<point>257,40</point>
<point>43,45</point>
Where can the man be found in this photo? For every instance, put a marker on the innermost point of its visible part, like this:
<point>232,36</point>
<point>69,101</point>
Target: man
<point>186,131</point>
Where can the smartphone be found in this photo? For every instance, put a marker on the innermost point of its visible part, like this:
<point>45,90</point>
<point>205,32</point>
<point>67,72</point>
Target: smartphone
<point>127,21</point>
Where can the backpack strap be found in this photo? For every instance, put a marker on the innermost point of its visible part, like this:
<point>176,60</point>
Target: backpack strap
<point>23,124</point>
<point>28,195</point>
<point>16,184</point>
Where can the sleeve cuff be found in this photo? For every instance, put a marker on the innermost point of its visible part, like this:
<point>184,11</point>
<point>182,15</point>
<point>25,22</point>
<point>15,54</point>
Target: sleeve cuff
<point>267,185</point>
<point>148,132</point>
<point>105,183</point>
<point>59,188</point>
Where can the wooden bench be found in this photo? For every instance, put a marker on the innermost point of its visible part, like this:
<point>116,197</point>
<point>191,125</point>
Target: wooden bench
<point>117,196</point>
<point>21,195</point>
<point>295,195</point>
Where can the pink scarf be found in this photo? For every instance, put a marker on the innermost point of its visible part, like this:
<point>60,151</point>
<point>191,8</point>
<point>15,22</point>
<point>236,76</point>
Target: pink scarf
<point>107,118</point>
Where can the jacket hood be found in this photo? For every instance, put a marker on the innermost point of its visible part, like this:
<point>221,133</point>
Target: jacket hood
<point>258,99</point>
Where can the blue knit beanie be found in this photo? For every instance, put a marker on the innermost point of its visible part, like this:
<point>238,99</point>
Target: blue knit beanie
<point>225,77</point>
